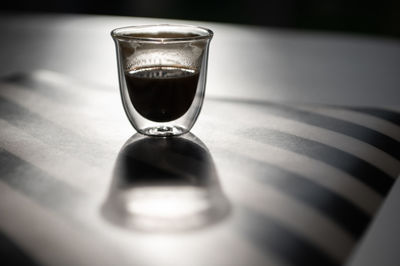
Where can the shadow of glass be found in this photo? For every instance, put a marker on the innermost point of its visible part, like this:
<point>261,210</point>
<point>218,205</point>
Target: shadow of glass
<point>165,184</point>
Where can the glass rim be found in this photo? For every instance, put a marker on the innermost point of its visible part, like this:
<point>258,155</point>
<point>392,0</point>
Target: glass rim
<point>122,33</point>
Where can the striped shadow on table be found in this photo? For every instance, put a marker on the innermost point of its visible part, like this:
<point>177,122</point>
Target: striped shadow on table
<point>304,181</point>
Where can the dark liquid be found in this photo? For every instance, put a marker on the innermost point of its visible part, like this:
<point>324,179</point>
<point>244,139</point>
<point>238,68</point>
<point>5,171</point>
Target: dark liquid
<point>162,93</point>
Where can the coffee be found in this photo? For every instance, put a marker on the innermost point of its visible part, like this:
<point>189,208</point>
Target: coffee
<point>162,93</point>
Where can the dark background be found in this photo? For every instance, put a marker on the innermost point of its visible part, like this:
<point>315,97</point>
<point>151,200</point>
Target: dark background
<point>366,17</point>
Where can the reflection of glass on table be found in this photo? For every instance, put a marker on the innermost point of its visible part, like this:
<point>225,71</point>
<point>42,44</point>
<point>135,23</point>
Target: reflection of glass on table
<point>165,184</point>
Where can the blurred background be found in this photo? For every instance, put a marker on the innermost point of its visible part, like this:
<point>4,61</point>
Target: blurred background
<point>364,17</point>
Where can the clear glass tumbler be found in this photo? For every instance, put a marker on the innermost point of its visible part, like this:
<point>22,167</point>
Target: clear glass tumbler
<point>162,76</point>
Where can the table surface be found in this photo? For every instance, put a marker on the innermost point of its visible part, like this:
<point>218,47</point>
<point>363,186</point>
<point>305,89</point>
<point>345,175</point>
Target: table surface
<point>246,64</point>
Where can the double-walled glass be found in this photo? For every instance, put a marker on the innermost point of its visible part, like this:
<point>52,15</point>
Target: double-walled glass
<point>162,76</point>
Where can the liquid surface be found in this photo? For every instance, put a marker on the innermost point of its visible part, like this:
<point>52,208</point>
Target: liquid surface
<point>162,35</point>
<point>162,93</point>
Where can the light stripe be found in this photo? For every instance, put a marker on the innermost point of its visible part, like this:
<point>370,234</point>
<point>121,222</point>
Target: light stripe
<point>367,135</point>
<point>389,115</point>
<point>49,239</point>
<point>363,119</point>
<point>57,136</point>
<point>323,174</point>
<point>342,211</point>
<point>67,115</point>
<point>57,86</point>
<point>353,146</point>
<point>359,169</point>
<point>359,149</point>
<point>52,160</point>
<point>275,236</point>
<point>37,184</point>
<point>306,222</point>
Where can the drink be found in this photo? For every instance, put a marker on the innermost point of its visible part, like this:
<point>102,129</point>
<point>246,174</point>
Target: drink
<point>162,93</point>
<point>164,76</point>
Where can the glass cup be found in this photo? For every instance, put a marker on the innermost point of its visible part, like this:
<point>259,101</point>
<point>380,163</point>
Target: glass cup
<point>162,76</point>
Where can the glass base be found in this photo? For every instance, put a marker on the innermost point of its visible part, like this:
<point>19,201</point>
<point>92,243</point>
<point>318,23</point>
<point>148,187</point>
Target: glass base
<point>163,131</point>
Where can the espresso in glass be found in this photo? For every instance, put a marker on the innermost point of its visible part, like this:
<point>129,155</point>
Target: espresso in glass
<point>162,93</point>
<point>162,74</point>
